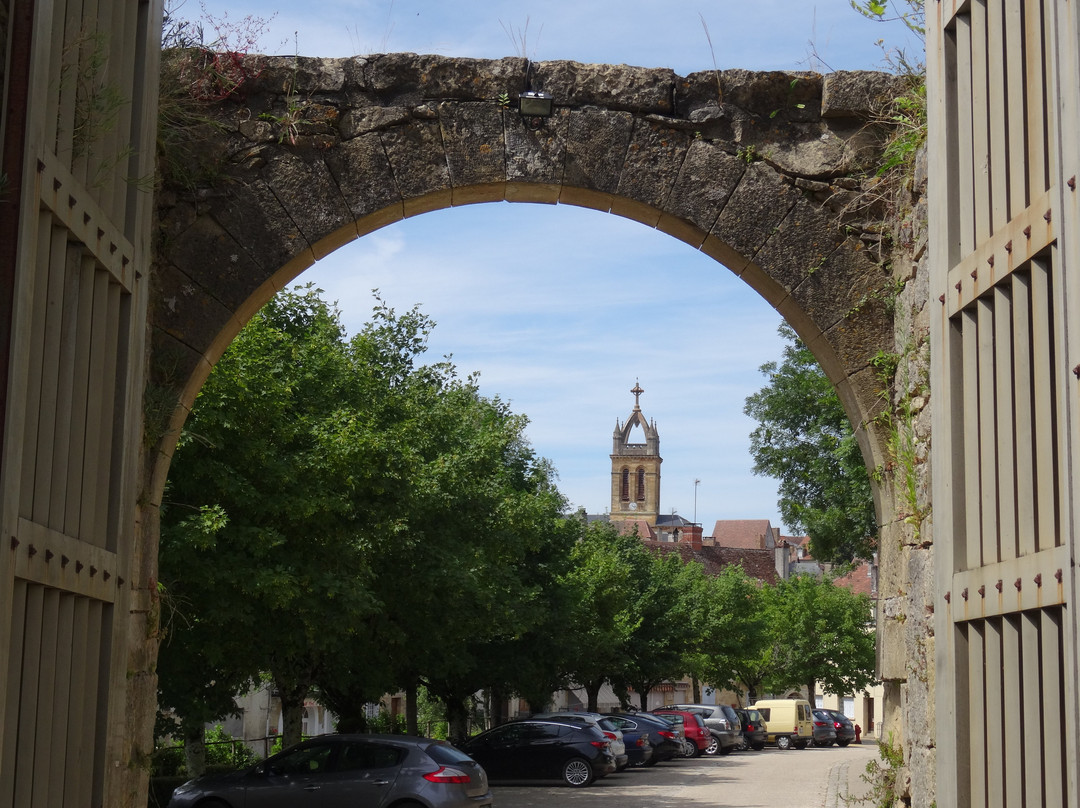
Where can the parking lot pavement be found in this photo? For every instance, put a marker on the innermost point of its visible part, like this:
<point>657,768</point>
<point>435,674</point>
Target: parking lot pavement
<point>808,778</point>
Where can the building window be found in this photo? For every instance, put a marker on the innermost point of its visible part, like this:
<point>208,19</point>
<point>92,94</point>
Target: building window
<point>641,484</point>
<point>625,494</point>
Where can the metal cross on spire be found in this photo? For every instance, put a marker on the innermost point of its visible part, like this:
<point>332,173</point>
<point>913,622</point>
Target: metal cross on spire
<point>637,391</point>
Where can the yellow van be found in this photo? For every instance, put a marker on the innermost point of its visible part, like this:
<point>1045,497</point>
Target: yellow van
<point>788,722</point>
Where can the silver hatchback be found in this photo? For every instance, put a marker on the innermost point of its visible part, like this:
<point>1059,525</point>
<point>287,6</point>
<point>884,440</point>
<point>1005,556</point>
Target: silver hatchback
<point>353,771</point>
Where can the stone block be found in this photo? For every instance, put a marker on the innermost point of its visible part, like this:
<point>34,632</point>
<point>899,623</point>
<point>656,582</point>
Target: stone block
<point>858,93</point>
<point>653,161</point>
<point>472,136</point>
<point>614,87</point>
<point>363,174</point>
<point>755,210</point>
<point>596,148</point>
<point>706,180</point>
<point>308,194</point>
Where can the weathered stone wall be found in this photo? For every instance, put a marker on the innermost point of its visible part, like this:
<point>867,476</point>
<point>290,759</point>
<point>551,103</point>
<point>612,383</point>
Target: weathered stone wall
<point>906,619</point>
<point>766,172</point>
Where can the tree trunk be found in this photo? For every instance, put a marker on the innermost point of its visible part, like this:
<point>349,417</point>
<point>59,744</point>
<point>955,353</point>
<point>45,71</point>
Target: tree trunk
<point>457,716</point>
<point>194,749</point>
<point>811,694</point>
<point>695,687</point>
<point>643,696</point>
<point>292,715</point>
<point>411,727</point>
<point>592,691</point>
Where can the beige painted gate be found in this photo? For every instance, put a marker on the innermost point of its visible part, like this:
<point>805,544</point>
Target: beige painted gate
<point>79,125</point>
<point>1003,90</point>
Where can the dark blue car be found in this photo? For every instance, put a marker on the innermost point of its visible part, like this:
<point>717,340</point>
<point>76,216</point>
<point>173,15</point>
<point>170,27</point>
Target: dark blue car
<point>662,738</point>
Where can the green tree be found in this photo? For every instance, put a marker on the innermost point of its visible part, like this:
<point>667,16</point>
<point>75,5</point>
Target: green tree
<point>662,640</point>
<point>605,597</point>
<point>821,634</point>
<point>283,564</point>
<point>730,630</point>
<point>805,441</point>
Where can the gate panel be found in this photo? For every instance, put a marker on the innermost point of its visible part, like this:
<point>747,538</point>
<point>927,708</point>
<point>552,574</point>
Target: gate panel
<point>79,149</point>
<point>1003,232</point>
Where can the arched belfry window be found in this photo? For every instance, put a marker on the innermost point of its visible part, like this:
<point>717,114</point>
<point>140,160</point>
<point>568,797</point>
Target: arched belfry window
<point>641,483</point>
<point>625,494</point>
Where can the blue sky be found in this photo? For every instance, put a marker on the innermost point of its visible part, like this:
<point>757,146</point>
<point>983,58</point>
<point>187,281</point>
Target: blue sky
<point>561,309</point>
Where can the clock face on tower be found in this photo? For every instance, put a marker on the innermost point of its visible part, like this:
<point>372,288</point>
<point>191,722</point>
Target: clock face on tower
<point>633,506</point>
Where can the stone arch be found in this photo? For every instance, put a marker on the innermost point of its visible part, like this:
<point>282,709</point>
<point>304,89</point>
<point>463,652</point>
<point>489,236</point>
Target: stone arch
<point>751,168</point>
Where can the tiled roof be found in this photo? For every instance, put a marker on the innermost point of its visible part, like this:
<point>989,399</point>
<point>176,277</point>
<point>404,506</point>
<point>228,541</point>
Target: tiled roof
<point>643,528</point>
<point>757,563</point>
<point>745,533</point>
<point>858,580</point>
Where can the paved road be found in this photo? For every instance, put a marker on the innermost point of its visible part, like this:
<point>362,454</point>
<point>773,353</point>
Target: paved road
<point>810,778</point>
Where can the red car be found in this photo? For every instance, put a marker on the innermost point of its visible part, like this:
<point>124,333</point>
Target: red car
<point>693,730</point>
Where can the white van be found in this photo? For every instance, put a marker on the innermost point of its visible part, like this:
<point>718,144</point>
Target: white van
<point>788,722</point>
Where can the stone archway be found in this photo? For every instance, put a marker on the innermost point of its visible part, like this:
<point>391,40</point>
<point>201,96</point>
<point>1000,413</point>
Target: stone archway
<point>754,169</point>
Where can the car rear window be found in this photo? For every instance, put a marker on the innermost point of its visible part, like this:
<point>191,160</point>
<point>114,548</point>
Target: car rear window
<point>765,713</point>
<point>446,755</point>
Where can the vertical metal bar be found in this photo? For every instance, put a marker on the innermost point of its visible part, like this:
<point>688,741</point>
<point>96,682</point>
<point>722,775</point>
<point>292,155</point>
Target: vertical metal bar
<point>1013,720</point>
<point>1004,363</point>
<point>28,704</point>
<point>59,468</point>
<point>1038,168</point>
<point>1042,370</point>
<point>982,201</point>
<point>47,240</point>
<point>44,773</point>
<point>45,441</point>
<point>971,520</point>
<point>1014,57</point>
<point>13,664</point>
<point>1055,740</point>
<point>996,112</point>
<point>976,728</point>
<point>1023,419</point>
<point>90,523</point>
<point>968,167</point>
<point>79,753</point>
<point>995,709</point>
<point>1032,710</point>
<point>65,640</point>
<point>80,396</point>
<point>988,494</point>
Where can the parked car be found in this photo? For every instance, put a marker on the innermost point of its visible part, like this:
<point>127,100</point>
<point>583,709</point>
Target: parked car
<point>722,723</point>
<point>349,770</point>
<point>788,722</point>
<point>845,730</point>
<point>573,752</point>
<point>663,737</point>
<point>639,748</point>
<point>696,734</point>
<point>753,733</point>
<point>613,733</point>
<point>824,729</point>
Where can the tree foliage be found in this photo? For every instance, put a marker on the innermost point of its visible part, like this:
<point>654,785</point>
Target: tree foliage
<point>821,634</point>
<point>805,441</point>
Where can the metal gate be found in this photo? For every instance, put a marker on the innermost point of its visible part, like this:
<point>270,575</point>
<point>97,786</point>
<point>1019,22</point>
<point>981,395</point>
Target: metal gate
<point>1002,90</point>
<point>79,86</point>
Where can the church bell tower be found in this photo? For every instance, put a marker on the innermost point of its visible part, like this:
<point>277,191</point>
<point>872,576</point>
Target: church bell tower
<point>635,468</point>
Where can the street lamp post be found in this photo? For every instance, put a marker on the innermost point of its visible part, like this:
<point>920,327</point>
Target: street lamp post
<point>697,482</point>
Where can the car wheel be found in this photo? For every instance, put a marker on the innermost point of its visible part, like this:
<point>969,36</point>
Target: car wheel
<point>758,747</point>
<point>713,747</point>
<point>802,745</point>
<point>688,748</point>
<point>577,772</point>
<point>842,743</point>
<point>783,742</point>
